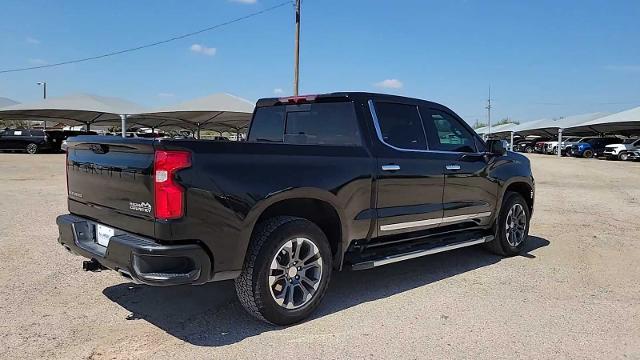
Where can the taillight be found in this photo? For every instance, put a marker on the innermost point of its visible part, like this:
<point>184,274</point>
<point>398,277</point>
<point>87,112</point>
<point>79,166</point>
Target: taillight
<point>169,196</point>
<point>298,99</point>
<point>66,169</point>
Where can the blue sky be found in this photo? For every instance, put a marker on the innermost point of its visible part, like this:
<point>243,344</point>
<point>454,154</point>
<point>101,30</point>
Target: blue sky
<point>542,58</point>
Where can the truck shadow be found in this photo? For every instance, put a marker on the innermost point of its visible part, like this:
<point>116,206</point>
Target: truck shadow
<point>210,315</point>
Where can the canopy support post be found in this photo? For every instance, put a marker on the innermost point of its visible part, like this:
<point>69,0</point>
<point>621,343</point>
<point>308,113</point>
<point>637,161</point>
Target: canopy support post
<point>511,141</point>
<point>198,131</point>
<point>559,147</point>
<point>123,123</point>
<point>88,125</point>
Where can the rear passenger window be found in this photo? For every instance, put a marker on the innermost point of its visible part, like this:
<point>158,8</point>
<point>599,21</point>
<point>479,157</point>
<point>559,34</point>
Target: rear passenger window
<point>400,126</point>
<point>323,124</point>
<point>312,124</point>
<point>268,124</point>
<point>446,133</point>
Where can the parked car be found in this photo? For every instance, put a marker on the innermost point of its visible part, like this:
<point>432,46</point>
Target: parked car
<point>569,144</point>
<point>621,151</point>
<point>528,145</point>
<point>539,145</point>
<point>29,140</point>
<point>634,154</point>
<point>349,180</point>
<point>551,147</point>
<point>593,147</point>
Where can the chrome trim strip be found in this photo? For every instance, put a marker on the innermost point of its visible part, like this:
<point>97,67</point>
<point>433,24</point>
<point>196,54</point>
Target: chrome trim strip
<point>410,224</point>
<point>444,220</point>
<point>376,124</point>
<point>421,253</point>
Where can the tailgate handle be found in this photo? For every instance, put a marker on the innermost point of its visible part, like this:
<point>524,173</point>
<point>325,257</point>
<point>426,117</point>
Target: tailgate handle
<point>99,148</point>
<point>391,167</point>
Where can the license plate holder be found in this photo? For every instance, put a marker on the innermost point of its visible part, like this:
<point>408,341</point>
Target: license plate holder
<point>103,234</point>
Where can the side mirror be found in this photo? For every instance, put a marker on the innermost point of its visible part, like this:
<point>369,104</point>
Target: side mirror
<point>497,147</point>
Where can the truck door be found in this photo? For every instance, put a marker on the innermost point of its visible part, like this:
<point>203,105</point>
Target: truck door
<point>470,195</point>
<point>410,180</point>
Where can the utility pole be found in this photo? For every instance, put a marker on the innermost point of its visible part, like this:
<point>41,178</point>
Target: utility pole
<point>489,110</point>
<point>296,62</point>
<point>44,96</point>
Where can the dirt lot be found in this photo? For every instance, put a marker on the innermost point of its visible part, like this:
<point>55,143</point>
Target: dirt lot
<point>576,294</point>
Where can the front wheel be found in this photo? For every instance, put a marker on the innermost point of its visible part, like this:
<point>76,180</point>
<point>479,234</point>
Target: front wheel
<point>587,154</point>
<point>528,150</point>
<point>512,227</point>
<point>623,156</point>
<point>32,148</point>
<point>286,272</point>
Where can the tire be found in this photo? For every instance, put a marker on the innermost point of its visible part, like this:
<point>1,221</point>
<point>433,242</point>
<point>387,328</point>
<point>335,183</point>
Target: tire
<point>502,244</point>
<point>528,150</point>
<point>568,152</point>
<point>624,156</point>
<point>255,289</point>
<point>31,148</point>
<point>587,154</point>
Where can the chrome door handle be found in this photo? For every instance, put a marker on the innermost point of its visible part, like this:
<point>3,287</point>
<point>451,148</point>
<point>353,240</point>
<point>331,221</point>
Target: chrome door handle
<point>452,167</point>
<point>391,167</point>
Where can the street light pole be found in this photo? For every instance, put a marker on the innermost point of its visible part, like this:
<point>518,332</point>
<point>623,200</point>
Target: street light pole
<point>44,96</point>
<point>296,61</point>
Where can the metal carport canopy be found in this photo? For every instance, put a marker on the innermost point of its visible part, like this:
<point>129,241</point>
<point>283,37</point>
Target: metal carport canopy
<point>74,109</point>
<point>220,112</point>
<point>501,129</point>
<point>626,123</point>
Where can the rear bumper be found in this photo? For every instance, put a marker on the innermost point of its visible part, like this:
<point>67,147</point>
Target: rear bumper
<point>142,259</point>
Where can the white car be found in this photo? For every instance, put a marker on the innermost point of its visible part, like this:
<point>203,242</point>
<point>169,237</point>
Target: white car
<point>621,151</point>
<point>551,147</point>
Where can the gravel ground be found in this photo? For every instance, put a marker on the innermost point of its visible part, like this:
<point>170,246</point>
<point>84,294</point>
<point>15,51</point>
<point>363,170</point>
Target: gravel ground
<point>575,294</point>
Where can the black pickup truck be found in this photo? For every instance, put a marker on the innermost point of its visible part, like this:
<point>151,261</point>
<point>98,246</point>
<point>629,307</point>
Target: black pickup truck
<point>336,181</point>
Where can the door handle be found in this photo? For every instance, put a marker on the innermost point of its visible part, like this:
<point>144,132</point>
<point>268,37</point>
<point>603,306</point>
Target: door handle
<point>391,167</point>
<point>452,167</point>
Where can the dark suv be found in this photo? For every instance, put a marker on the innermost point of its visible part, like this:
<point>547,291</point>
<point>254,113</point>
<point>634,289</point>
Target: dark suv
<point>29,140</point>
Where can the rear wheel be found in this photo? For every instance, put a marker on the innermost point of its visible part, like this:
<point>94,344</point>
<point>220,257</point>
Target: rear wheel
<point>623,156</point>
<point>528,149</point>
<point>568,152</point>
<point>512,228</point>
<point>32,148</point>
<point>587,154</point>
<point>287,270</point>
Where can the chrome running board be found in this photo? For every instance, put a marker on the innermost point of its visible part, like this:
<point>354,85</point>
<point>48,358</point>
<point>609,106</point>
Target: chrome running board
<point>419,253</point>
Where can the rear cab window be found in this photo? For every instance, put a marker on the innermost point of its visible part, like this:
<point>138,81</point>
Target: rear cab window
<point>323,123</point>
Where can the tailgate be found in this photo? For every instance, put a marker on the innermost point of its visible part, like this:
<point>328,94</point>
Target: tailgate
<point>109,179</point>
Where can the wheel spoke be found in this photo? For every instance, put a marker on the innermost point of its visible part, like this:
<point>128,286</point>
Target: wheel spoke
<point>292,286</point>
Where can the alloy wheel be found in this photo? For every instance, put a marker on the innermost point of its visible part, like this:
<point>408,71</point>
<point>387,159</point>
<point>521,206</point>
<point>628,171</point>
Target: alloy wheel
<point>295,273</point>
<point>32,148</point>
<point>515,225</point>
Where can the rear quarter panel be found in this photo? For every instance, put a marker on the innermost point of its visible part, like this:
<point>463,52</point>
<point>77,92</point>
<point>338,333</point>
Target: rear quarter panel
<point>230,184</point>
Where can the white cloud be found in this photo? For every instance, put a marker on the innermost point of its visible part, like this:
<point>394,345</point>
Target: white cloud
<point>389,84</point>
<point>245,1</point>
<point>32,40</point>
<point>166,94</point>
<point>37,61</point>
<point>278,91</point>
<point>201,49</point>
<point>624,68</point>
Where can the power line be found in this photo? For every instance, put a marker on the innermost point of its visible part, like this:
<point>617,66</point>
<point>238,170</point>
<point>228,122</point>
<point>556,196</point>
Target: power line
<point>179,37</point>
